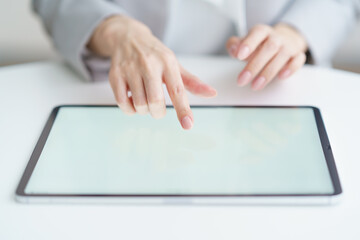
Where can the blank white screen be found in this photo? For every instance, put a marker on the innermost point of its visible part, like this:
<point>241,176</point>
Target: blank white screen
<point>93,150</point>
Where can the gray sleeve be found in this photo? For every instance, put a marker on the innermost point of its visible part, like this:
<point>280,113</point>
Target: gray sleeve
<point>323,23</point>
<point>70,23</point>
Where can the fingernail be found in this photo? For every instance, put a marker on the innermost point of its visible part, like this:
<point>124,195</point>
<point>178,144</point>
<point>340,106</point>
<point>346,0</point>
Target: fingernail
<point>285,74</point>
<point>243,52</point>
<point>258,83</point>
<point>186,122</point>
<point>244,78</point>
<point>233,50</point>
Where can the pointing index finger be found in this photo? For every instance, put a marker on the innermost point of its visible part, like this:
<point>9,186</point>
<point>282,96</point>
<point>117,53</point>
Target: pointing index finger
<point>175,87</point>
<point>250,43</point>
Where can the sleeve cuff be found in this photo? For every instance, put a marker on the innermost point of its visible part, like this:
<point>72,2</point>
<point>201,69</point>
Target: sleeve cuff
<point>323,23</point>
<point>73,28</point>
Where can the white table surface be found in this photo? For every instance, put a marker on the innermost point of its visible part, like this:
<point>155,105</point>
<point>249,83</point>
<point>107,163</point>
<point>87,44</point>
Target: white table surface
<point>29,92</point>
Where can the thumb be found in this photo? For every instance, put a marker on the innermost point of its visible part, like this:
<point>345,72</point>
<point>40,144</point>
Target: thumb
<point>194,85</point>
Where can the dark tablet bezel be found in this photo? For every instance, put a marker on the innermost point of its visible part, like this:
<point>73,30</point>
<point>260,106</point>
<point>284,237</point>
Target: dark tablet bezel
<point>20,191</point>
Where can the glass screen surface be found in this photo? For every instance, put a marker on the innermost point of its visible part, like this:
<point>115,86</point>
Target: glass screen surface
<point>100,150</point>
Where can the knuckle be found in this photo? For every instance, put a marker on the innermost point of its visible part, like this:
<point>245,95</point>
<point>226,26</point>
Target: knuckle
<point>273,43</point>
<point>127,64</point>
<point>289,50</point>
<point>298,61</point>
<point>269,73</point>
<point>177,90</point>
<point>148,74</point>
<point>286,52</point>
<point>150,69</point>
<point>147,63</point>
<point>167,53</point>
<point>261,27</point>
<point>114,75</point>
<point>147,67</point>
<point>169,58</point>
<point>135,82</point>
<point>253,67</point>
<point>183,111</point>
<point>149,59</point>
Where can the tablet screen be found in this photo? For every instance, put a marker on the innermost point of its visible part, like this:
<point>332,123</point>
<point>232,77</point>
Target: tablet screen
<point>229,151</point>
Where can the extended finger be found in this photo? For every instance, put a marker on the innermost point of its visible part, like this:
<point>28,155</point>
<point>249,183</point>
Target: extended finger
<point>193,84</point>
<point>232,45</point>
<point>175,87</point>
<point>270,70</point>
<point>251,42</point>
<point>154,93</point>
<point>137,89</point>
<point>120,90</point>
<point>265,53</point>
<point>292,66</point>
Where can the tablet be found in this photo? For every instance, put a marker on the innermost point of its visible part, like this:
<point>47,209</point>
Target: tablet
<point>232,155</point>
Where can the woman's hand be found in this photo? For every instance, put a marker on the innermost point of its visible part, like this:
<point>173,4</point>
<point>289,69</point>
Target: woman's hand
<point>269,52</point>
<point>140,63</point>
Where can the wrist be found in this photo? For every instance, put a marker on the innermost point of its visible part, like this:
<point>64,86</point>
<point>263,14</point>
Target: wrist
<point>99,42</point>
<point>111,31</point>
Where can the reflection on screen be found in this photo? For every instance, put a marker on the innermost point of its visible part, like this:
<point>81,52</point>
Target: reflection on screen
<point>229,151</point>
